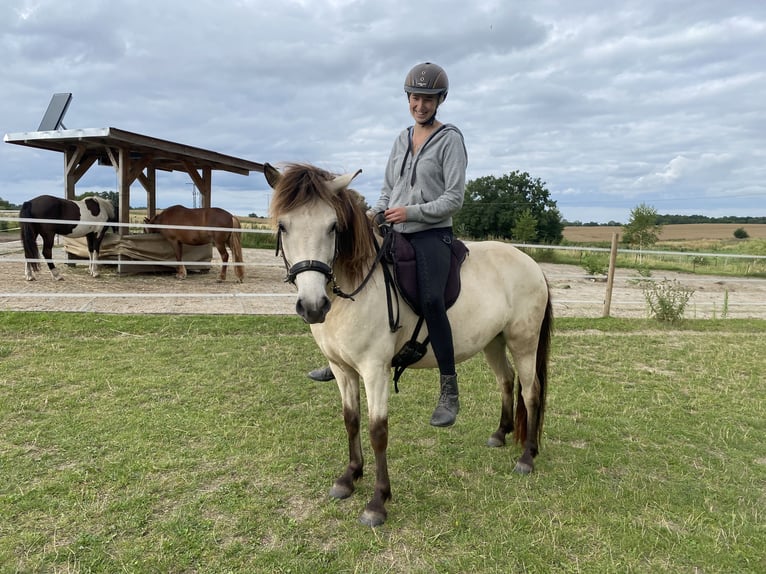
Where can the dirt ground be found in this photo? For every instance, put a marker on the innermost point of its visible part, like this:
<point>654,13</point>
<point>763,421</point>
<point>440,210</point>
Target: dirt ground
<point>264,293</point>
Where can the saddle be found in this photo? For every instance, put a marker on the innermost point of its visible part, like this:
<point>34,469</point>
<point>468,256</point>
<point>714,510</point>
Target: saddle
<point>399,253</point>
<point>400,274</point>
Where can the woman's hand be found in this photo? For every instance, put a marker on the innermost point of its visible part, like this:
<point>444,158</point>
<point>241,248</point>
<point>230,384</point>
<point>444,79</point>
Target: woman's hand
<point>396,215</point>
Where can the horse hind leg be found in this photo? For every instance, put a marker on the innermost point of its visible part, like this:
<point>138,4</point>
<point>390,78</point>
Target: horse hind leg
<point>48,256</point>
<point>497,359</point>
<point>29,273</point>
<point>529,411</point>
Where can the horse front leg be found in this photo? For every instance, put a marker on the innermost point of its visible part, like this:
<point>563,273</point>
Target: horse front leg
<point>224,262</point>
<point>377,390</point>
<point>92,254</point>
<point>348,384</point>
<point>181,268</point>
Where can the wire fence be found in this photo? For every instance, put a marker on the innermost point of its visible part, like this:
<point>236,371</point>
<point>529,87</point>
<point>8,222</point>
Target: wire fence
<point>575,292</point>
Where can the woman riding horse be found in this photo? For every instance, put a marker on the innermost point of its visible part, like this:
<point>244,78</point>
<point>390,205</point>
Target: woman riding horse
<point>419,199</point>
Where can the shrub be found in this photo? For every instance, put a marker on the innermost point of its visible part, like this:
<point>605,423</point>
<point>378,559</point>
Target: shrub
<point>667,299</point>
<point>740,233</point>
<point>594,264</point>
<point>644,270</point>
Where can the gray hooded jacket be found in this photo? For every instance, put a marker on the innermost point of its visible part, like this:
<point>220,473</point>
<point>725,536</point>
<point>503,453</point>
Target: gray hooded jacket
<point>430,184</point>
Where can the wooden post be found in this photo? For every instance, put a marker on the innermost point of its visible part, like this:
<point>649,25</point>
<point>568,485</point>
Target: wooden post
<point>123,188</point>
<point>610,276</point>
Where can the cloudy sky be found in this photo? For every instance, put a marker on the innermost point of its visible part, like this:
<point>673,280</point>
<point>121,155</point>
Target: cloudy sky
<point>653,101</point>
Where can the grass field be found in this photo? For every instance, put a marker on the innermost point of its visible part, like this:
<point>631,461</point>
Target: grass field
<point>181,444</point>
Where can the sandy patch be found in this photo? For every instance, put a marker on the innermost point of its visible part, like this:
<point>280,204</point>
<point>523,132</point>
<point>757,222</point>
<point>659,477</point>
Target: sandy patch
<point>264,291</point>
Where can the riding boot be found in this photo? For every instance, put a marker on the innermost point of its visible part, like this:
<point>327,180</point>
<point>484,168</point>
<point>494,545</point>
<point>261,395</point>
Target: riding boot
<point>446,410</point>
<point>322,374</point>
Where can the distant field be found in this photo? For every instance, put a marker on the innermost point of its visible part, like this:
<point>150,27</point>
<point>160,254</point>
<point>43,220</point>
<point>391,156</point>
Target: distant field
<point>686,232</point>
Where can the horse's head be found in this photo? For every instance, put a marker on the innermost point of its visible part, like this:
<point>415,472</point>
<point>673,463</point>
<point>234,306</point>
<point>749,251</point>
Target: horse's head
<point>321,226</point>
<point>109,209</point>
<point>149,221</point>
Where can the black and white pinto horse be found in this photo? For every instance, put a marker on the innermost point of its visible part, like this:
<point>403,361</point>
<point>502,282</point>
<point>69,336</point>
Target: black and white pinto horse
<point>92,213</point>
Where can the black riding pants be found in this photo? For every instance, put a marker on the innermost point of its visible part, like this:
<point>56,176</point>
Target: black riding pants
<point>433,255</point>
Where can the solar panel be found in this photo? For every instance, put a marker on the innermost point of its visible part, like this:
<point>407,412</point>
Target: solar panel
<point>54,115</point>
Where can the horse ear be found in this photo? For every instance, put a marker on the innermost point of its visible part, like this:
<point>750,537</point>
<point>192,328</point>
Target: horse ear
<point>342,181</point>
<point>272,174</point>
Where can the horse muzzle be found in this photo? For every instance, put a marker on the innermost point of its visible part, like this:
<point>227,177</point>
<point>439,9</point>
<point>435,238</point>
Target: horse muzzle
<point>311,309</point>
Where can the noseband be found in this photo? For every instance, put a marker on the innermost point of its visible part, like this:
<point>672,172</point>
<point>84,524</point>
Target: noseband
<point>307,265</point>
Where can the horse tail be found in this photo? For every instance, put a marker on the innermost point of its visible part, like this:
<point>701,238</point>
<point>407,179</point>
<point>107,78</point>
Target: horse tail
<point>235,241</point>
<point>541,372</point>
<point>28,236</point>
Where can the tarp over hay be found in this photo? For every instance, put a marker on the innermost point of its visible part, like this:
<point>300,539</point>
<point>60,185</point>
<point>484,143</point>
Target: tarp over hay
<point>142,248</point>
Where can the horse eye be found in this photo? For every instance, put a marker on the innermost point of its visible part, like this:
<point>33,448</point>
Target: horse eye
<point>280,226</point>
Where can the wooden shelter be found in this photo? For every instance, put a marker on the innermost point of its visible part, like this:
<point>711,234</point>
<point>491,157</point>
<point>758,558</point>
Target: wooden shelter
<point>134,157</point>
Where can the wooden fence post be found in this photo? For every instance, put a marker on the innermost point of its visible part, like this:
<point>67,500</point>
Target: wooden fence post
<point>610,276</point>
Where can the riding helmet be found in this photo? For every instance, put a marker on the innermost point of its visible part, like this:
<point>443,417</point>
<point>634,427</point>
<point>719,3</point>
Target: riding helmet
<point>427,78</point>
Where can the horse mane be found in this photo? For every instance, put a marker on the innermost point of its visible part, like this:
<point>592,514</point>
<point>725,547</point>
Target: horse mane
<point>302,184</point>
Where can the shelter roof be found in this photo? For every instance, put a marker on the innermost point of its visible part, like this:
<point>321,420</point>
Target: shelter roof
<point>165,155</point>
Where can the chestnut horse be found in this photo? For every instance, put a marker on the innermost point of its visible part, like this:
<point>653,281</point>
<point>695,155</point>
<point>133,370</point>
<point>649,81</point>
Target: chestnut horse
<point>83,218</point>
<point>208,217</point>
<point>329,249</point>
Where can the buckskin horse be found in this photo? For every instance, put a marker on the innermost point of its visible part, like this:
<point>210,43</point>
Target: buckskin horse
<point>91,213</point>
<point>210,217</point>
<point>329,248</point>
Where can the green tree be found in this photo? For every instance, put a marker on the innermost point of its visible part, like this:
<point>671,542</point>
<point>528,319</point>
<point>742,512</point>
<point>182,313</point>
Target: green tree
<point>642,229</point>
<point>5,204</point>
<point>525,230</point>
<point>494,205</point>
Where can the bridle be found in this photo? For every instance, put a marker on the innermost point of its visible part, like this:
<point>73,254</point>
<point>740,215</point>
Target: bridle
<point>327,270</point>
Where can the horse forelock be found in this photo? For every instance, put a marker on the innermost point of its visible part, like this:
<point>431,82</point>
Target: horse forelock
<point>301,185</point>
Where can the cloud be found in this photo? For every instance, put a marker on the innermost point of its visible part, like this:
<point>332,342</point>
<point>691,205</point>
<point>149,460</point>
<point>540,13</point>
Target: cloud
<point>609,105</point>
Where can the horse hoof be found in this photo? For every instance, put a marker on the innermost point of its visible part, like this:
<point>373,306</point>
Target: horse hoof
<point>522,468</point>
<point>496,442</point>
<point>372,519</point>
<point>340,492</point>
<point>58,278</point>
